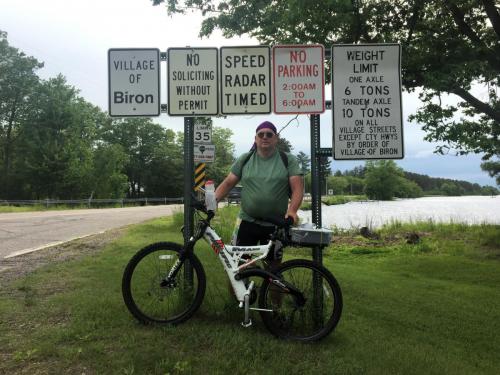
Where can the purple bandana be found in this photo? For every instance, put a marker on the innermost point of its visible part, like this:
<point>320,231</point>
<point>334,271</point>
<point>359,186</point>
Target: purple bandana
<point>267,125</point>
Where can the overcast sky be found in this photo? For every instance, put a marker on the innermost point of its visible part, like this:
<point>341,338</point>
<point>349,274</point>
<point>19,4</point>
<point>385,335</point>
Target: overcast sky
<point>72,38</point>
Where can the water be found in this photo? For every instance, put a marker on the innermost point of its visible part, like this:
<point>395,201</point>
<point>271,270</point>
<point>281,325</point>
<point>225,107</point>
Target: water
<point>468,209</point>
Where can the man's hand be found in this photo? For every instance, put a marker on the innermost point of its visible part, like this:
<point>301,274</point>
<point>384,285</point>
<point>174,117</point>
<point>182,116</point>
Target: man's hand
<point>293,215</point>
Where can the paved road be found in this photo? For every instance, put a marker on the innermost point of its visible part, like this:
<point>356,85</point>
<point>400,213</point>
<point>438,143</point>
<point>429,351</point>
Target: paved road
<point>28,231</point>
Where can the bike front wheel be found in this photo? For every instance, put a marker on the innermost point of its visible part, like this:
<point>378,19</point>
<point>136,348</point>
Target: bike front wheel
<point>145,294</point>
<point>308,319</point>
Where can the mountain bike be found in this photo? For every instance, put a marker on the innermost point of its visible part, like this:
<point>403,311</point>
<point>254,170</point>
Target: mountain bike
<point>297,300</point>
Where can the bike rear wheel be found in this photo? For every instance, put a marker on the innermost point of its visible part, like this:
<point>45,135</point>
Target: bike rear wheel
<point>292,319</point>
<point>148,300</point>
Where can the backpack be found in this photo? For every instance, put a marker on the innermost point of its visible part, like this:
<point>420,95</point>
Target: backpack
<point>284,159</point>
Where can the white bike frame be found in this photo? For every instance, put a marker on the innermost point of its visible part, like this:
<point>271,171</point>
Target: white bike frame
<point>231,256</point>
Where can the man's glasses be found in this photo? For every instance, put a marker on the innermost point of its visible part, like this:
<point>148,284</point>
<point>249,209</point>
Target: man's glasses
<point>265,135</point>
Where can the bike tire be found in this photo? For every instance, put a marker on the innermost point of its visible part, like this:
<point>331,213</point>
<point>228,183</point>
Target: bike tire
<point>151,303</point>
<point>310,322</point>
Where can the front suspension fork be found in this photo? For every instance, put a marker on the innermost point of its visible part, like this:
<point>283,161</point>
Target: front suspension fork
<point>169,280</point>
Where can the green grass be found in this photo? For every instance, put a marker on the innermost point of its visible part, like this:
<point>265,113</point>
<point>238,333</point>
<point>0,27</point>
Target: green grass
<point>428,308</point>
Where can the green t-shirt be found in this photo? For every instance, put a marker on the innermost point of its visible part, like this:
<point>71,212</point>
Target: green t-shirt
<point>265,184</point>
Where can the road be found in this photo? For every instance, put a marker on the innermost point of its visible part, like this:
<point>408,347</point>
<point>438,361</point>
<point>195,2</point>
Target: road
<point>25,232</point>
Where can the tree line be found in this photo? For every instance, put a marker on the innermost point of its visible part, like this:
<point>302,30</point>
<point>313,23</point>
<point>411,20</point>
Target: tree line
<point>56,145</point>
<point>384,180</point>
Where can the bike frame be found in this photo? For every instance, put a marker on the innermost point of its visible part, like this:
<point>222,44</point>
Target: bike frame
<point>231,257</point>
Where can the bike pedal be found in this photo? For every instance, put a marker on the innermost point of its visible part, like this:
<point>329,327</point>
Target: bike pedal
<point>246,325</point>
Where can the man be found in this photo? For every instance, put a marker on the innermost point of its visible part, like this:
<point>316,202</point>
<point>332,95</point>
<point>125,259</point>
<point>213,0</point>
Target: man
<point>266,185</point>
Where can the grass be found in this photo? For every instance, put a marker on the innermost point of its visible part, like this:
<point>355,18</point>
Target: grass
<point>428,308</point>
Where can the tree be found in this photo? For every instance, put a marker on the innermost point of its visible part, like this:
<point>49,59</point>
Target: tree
<point>408,189</point>
<point>108,179</point>
<point>448,46</point>
<point>325,171</point>
<point>56,144</point>
<point>382,180</point>
<point>304,162</point>
<point>146,144</point>
<point>224,154</point>
<point>339,185</point>
<point>493,169</point>
<point>284,145</point>
<point>451,189</point>
<point>18,82</point>
<point>356,185</point>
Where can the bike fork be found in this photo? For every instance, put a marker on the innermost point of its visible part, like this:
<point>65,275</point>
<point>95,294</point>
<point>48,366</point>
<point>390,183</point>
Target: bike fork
<point>167,281</point>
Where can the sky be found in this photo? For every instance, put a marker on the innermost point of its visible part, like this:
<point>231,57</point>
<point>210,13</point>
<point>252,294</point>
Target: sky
<point>72,37</point>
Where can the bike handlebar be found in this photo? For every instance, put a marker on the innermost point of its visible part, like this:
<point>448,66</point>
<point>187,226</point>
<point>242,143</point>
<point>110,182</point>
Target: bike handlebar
<point>279,221</point>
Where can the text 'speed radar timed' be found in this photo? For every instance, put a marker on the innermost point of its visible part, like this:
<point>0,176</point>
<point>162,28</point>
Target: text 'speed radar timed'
<point>134,82</point>
<point>245,80</point>
<point>366,99</point>
<point>193,77</point>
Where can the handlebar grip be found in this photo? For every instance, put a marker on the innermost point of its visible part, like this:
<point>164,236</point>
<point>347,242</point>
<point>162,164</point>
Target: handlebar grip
<point>279,221</point>
<point>288,221</point>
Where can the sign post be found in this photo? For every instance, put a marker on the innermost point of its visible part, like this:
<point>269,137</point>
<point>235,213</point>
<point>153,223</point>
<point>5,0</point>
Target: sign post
<point>366,96</point>
<point>299,79</point>
<point>245,80</point>
<point>134,82</point>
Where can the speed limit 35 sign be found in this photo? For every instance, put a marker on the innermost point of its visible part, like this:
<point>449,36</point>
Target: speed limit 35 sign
<point>202,133</point>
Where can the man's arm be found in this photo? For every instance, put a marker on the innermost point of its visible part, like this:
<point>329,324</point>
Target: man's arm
<point>297,186</point>
<point>223,189</point>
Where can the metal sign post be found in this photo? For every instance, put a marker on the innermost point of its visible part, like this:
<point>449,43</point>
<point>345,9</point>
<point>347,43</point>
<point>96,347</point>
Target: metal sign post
<point>188,188</point>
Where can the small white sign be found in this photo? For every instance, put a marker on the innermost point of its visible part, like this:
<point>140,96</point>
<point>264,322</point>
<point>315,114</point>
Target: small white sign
<point>245,80</point>
<point>299,79</point>
<point>366,100</point>
<point>204,153</point>
<point>192,81</point>
<point>202,133</point>
<point>134,82</point>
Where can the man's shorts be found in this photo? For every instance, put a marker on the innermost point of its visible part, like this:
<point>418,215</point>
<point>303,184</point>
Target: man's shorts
<point>252,234</point>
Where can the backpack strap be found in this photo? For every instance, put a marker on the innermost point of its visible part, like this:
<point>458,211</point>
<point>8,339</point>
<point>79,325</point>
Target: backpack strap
<point>284,158</point>
<point>247,158</point>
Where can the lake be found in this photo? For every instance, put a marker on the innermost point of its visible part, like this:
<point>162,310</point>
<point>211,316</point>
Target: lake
<point>373,214</point>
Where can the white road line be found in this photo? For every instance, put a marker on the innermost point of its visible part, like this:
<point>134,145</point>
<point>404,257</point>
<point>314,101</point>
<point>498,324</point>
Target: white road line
<point>33,249</point>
